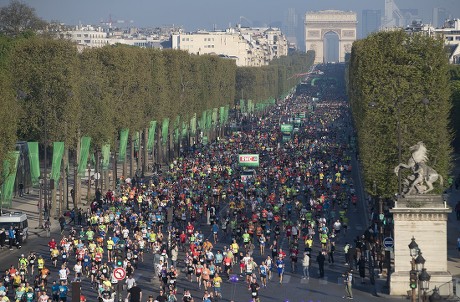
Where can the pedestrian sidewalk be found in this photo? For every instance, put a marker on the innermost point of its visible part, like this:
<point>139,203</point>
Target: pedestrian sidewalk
<point>28,204</point>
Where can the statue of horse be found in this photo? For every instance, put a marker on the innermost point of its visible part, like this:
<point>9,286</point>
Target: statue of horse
<point>423,176</point>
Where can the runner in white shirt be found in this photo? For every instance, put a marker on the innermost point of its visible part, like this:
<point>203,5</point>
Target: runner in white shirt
<point>77,269</point>
<point>63,272</point>
<point>43,297</point>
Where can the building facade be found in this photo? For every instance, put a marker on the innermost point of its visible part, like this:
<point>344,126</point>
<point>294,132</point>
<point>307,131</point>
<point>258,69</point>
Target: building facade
<point>247,46</point>
<point>372,21</point>
<point>449,32</point>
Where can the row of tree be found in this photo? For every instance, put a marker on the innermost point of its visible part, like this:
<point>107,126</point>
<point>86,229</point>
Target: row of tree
<point>399,92</point>
<point>455,87</point>
<point>51,92</point>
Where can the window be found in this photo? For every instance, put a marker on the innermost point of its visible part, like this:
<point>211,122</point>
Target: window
<point>78,35</point>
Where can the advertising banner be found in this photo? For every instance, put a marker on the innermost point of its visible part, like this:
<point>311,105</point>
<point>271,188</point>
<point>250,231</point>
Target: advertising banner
<point>248,160</point>
<point>287,128</point>
<point>34,162</point>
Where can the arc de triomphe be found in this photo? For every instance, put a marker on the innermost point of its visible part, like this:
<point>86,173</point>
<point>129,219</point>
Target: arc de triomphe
<point>318,24</point>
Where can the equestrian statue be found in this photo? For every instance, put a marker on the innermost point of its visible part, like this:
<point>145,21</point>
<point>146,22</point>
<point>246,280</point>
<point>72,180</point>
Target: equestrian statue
<point>423,176</point>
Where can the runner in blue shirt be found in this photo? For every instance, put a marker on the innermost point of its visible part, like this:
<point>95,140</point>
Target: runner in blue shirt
<point>280,268</point>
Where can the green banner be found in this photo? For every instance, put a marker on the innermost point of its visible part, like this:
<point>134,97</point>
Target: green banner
<point>242,106</point>
<point>193,125</point>
<point>164,131</point>
<point>215,115</point>
<point>151,138</point>
<point>227,109</point>
<point>58,152</point>
<point>84,154</point>
<point>287,128</point>
<point>222,115</point>
<point>202,122</point>
<point>208,119</point>
<point>105,152</point>
<point>136,140</point>
<point>34,162</point>
<point>123,144</point>
<point>250,106</point>
<point>184,131</point>
<point>10,167</point>
<point>176,129</point>
<point>205,140</point>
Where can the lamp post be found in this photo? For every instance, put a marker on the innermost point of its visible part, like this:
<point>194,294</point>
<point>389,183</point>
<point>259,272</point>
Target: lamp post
<point>414,250</point>
<point>418,274</point>
<point>424,280</point>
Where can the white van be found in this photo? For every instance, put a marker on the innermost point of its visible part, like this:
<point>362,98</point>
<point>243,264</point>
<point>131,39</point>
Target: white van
<point>17,220</point>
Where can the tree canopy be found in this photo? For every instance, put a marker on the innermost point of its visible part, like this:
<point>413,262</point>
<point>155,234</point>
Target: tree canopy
<point>399,82</point>
<point>18,18</point>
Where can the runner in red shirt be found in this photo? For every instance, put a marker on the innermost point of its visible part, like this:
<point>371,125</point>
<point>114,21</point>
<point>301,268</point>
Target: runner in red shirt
<point>52,244</point>
<point>189,229</point>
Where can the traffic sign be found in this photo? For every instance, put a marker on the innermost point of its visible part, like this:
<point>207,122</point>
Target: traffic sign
<point>119,273</point>
<point>388,242</point>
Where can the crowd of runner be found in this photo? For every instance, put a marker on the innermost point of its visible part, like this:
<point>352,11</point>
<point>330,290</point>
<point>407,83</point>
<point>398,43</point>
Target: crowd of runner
<point>202,221</point>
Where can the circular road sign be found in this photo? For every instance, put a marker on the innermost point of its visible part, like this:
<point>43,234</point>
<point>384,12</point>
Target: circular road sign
<point>119,273</point>
<point>388,242</point>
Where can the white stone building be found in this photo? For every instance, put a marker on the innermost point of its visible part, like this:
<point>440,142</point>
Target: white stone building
<point>450,33</point>
<point>247,46</point>
<point>86,36</point>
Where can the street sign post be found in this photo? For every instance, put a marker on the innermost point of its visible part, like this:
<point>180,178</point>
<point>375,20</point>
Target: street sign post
<point>388,242</point>
<point>119,273</point>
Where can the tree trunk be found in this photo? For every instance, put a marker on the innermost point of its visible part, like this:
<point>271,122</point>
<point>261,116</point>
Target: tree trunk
<point>131,157</point>
<point>77,178</point>
<point>53,199</point>
<point>145,157</point>
<point>65,173</point>
<point>62,193</point>
<point>97,171</point>
<point>88,191</point>
<point>115,172</point>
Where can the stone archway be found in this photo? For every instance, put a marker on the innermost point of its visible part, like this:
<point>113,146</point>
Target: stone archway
<point>318,24</point>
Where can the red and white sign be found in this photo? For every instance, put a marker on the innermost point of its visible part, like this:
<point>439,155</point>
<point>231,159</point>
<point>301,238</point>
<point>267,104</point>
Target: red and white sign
<point>119,273</point>
<point>248,160</point>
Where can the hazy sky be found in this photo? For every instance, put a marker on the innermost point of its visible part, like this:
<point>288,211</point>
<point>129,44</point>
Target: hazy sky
<point>209,14</point>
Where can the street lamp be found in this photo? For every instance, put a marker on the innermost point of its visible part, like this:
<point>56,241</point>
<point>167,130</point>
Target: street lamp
<point>424,279</point>
<point>414,250</point>
<point>413,246</point>
<point>420,262</point>
<point>418,274</point>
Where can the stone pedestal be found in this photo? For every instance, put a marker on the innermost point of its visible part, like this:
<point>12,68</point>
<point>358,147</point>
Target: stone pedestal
<point>423,217</point>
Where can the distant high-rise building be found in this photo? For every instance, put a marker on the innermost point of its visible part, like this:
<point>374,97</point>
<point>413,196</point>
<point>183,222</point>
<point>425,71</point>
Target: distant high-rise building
<point>439,17</point>
<point>372,20</point>
<point>291,26</point>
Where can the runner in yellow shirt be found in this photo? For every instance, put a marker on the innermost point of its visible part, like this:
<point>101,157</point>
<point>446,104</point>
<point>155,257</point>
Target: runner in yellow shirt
<point>110,245</point>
